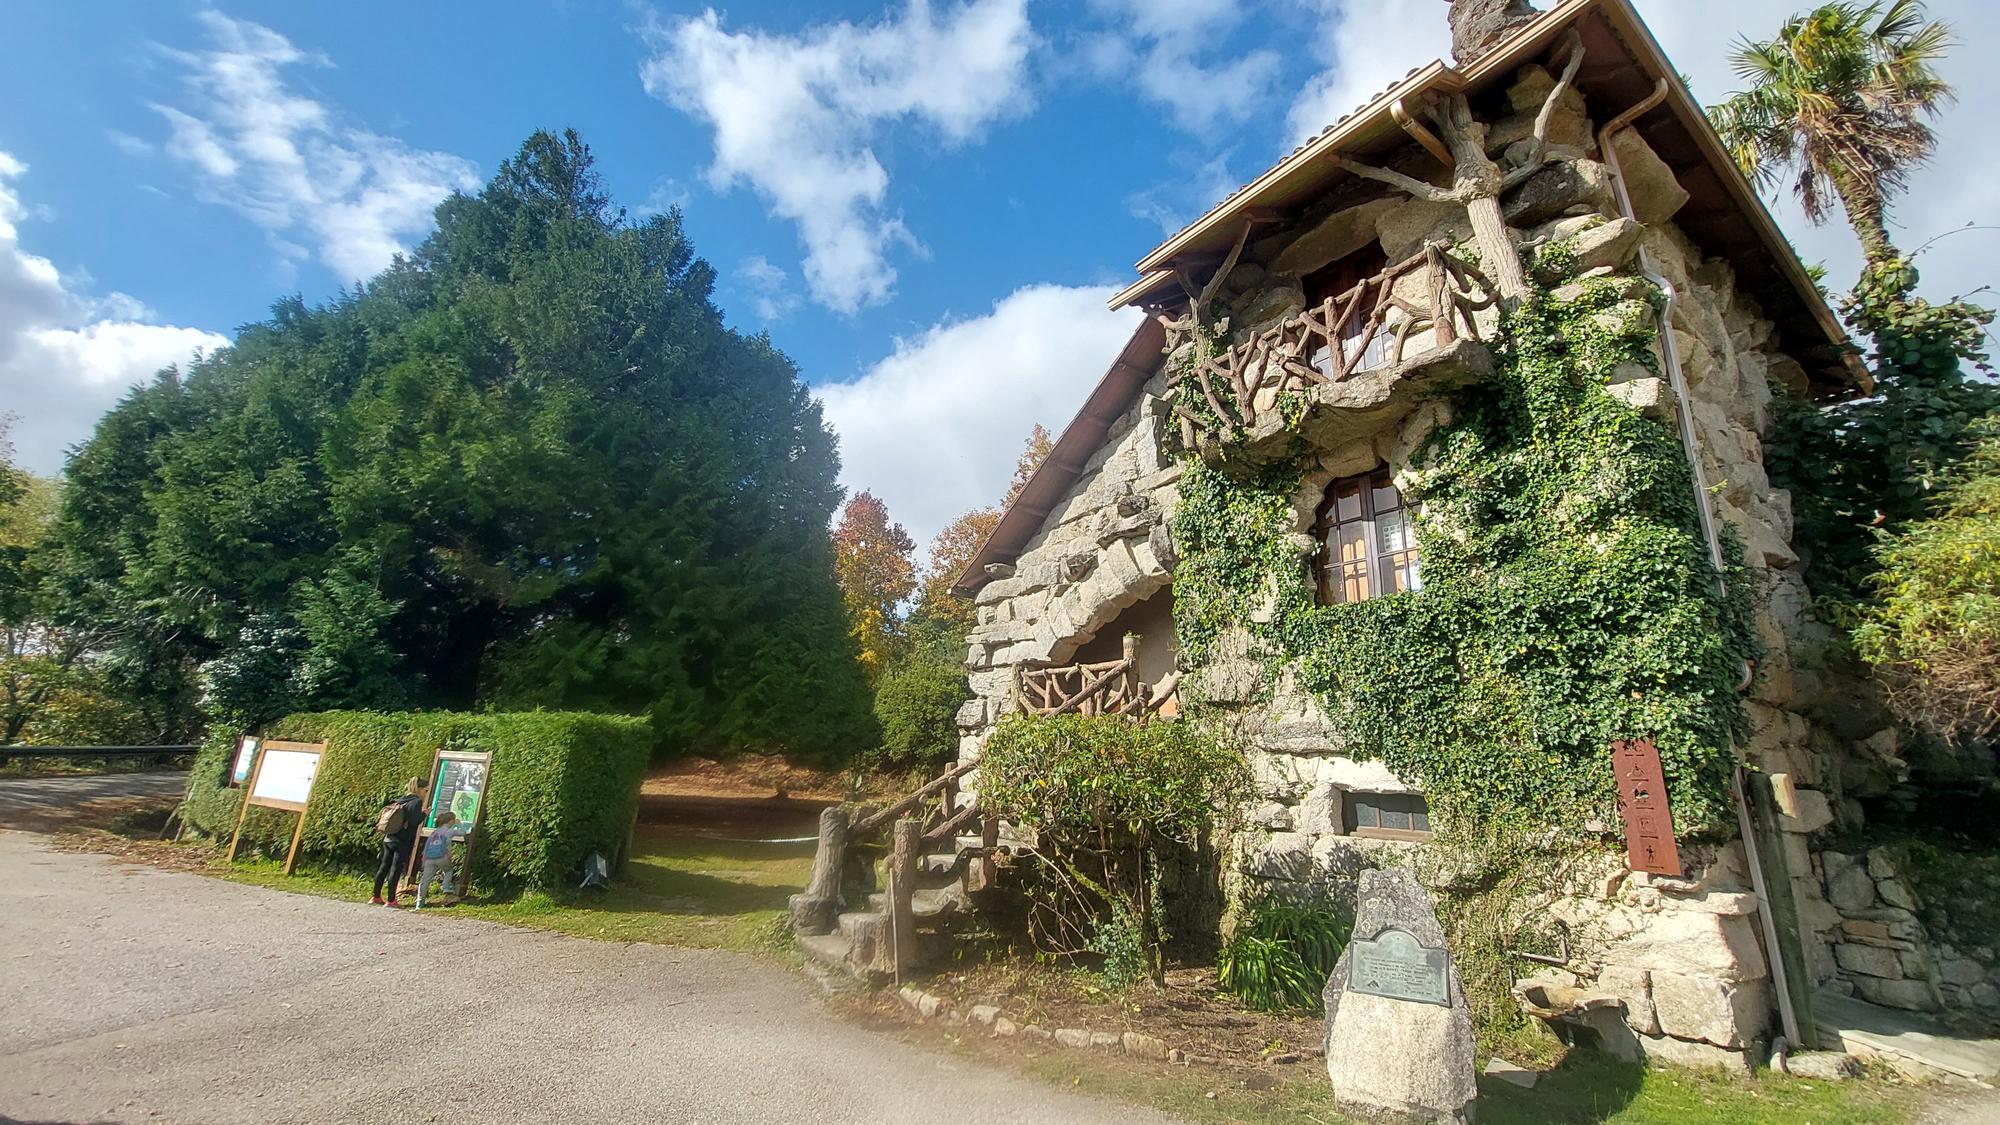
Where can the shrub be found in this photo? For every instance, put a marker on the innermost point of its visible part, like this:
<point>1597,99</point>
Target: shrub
<point>1935,632</point>
<point>562,785</point>
<point>1113,801</point>
<point>917,705</point>
<point>1281,955</point>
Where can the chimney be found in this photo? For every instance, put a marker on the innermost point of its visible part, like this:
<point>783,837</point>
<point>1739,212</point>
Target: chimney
<point>1477,26</point>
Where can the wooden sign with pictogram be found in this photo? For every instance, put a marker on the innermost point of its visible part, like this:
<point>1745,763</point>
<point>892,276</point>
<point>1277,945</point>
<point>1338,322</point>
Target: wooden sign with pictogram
<point>1642,803</point>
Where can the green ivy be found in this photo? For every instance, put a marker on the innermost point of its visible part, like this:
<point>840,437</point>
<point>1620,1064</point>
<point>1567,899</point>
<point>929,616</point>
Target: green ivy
<point>1859,469</point>
<point>1569,598</point>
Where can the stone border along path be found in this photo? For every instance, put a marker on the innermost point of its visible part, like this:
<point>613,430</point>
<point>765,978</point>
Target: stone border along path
<point>137,994</point>
<point>930,1006</point>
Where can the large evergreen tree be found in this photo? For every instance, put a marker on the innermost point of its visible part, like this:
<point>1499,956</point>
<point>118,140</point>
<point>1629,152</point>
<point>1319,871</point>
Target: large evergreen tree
<point>528,466</point>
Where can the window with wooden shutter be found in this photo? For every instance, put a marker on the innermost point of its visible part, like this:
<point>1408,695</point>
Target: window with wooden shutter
<point>1367,547</point>
<point>1388,816</point>
<point>1339,281</point>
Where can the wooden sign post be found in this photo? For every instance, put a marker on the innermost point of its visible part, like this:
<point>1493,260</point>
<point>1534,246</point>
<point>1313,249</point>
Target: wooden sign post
<point>281,779</point>
<point>458,786</point>
<point>1642,802</point>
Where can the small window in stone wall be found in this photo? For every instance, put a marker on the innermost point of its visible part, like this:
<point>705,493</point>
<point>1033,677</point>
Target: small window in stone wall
<point>1388,816</point>
<point>1367,547</point>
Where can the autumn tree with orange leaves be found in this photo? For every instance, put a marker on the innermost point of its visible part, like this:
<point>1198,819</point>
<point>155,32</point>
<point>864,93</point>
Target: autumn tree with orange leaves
<point>941,616</point>
<point>872,564</point>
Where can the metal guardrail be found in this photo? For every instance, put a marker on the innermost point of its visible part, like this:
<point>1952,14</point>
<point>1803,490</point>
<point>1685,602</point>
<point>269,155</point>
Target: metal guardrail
<point>94,751</point>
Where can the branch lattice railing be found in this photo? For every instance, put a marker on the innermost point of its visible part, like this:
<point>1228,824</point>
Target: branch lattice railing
<point>1363,328</point>
<point>1108,688</point>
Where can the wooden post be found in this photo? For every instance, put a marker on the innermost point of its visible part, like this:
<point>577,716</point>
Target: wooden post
<point>1778,911</point>
<point>902,891</point>
<point>292,853</point>
<point>815,910</point>
<point>243,809</point>
<point>989,842</point>
<point>1131,687</point>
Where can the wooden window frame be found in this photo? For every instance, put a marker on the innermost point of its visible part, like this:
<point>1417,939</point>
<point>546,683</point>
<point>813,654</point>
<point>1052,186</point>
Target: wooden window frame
<point>1350,817</point>
<point>1337,279</point>
<point>1378,558</point>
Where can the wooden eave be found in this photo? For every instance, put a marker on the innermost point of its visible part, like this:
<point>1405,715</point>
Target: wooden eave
<point>1623,62</point>
<point>1051,481</point>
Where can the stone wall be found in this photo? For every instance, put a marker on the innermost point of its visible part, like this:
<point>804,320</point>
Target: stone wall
<point>1684,956</point>
<point>1101,550</point>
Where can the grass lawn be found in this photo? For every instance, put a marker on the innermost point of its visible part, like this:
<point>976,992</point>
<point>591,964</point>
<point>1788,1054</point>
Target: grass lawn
<point>679,890</point>
<point>1586,1089</point>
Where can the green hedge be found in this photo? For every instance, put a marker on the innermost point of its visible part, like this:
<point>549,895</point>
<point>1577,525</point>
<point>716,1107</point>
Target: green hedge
<point>563,785</point>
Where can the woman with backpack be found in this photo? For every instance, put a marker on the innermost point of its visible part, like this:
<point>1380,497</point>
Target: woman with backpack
<point>398,822</point>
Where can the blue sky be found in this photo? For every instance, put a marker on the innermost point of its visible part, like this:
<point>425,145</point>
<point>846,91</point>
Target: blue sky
<point>926,204</point>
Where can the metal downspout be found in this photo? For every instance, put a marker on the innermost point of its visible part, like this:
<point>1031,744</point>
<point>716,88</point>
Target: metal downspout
<point>1684,413</point>
<point>1670,354</point>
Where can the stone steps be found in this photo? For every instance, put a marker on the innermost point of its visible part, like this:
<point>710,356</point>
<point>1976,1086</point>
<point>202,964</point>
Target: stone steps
<point>857,950</point>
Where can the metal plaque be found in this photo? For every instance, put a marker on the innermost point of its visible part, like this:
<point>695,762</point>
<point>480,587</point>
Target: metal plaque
<point>1642,803</point>
<point>1394,965</point>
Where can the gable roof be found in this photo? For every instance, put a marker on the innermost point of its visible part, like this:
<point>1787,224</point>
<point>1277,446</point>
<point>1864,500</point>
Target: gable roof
<point>1051,480</point>
<point>1623,65</point>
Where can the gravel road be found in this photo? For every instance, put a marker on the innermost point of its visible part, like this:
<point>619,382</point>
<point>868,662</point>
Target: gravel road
<point>28,794</point>
<point>134,994</point>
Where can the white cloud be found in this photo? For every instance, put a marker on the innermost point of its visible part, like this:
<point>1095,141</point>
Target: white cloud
<point>287,161</point>
<point>795,117</point>
<point>1197,186</point>
<point>1170,50</point>
<point>1365,49</point>
<point>935,427</point>
<point>770,288</point>
<point>65,356</point>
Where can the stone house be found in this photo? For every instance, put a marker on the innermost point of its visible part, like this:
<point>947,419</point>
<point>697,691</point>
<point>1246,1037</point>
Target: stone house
<point>1343,313</point>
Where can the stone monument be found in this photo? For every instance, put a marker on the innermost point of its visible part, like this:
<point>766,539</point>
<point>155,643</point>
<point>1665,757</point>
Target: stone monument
<point>1398,1034</point>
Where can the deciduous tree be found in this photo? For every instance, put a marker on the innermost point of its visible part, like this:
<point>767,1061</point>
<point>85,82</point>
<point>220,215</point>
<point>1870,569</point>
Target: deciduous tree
<point>871,560</point>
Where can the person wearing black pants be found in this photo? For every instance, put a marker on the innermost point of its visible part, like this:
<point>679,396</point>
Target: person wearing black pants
<point>397,844</point>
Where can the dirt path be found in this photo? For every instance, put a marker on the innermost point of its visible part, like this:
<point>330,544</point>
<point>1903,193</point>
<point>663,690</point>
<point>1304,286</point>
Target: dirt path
<point>136,994</point>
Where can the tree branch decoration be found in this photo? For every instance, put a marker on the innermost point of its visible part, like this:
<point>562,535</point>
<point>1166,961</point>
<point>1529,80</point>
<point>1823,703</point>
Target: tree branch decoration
<point>1478,181</point>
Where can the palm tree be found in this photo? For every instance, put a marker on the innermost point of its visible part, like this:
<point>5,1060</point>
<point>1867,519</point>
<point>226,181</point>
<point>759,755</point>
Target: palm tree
<point>1840,97</point>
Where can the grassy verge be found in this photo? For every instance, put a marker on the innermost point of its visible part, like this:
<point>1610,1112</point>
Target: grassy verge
<point>1587,1089</point>
<point>678,890</point>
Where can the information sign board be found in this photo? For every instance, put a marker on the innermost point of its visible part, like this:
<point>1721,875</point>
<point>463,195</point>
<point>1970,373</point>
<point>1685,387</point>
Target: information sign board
<point>282,778</point>
<point>246,756</point>
<point>1397,966</point>
<point>458,786</point>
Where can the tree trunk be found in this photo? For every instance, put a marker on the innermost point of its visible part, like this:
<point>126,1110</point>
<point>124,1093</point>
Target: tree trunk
<point>1864,214</point>
<point>1497,250</point>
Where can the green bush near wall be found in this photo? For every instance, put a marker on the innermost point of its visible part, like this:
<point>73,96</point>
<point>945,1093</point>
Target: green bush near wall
<point>563,785</point>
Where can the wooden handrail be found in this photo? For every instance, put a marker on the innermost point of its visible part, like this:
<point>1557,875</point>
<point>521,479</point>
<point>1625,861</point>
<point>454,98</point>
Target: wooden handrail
<point>950,828</point>
<point>1045,691</point>
<point>877,819</point>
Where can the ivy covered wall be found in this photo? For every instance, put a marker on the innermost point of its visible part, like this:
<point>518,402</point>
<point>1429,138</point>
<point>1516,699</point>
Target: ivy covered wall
<point>1569,598</point>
